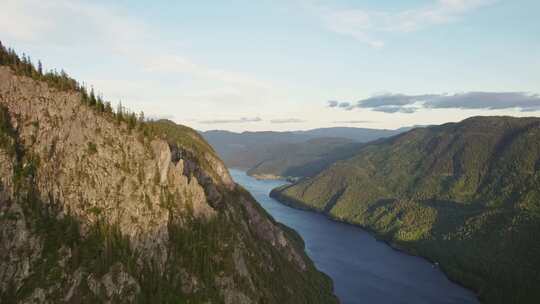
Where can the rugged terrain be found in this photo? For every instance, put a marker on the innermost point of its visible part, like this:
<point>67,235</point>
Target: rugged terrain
<point>98,208</point>
<point>466,195</point>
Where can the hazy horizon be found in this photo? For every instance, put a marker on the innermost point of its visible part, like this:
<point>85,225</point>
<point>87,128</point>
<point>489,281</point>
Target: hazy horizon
<point>292,65</point>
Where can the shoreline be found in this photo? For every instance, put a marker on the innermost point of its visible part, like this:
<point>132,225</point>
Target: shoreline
<point>271,177</point>
<point>274,193</point>
<point>266,176</point>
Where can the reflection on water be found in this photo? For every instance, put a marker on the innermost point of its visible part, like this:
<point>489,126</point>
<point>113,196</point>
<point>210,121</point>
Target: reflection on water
<point>363,269</point>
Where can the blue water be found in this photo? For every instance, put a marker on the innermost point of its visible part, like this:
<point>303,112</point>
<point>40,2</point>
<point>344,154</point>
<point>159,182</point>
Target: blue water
<point>363,269</point>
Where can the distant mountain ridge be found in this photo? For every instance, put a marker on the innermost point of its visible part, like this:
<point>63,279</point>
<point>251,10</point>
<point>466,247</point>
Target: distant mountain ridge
<point>354,134</point>
<point>466,195</point>
<point>292,153</point>
<point>301,159</point>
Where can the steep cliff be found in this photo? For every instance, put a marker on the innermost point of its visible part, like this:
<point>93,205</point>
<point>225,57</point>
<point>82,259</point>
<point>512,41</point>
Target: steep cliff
<point>95,210</point>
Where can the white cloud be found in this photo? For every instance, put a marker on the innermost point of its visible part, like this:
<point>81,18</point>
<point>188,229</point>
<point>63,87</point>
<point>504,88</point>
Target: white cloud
<point>401,103</point>
<point>156,74</point>
<point>179,64</point>
<point>352,121</point>
<point>13,22</point>
<point>365,25</point>
<point>286,120</point>
<point>62,22</point>
<point>235,120</point>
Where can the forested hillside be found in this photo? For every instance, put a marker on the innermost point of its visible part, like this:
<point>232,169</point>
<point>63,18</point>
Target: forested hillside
<point>301,159</point>
<point>290,154</point>
<point>466,195</point>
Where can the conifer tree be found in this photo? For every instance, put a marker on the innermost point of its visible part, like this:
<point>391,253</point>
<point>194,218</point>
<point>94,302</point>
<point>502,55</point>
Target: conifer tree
<point>92,99</point>
<point>120,111</point>
<point>84,95</point>
<point>108,107</point>
<point>141,117</point>
<point>132,120</point>
<point>100,104</point>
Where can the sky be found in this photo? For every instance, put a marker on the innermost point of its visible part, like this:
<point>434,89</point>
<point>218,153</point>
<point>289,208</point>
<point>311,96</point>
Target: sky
<point>292,64</point>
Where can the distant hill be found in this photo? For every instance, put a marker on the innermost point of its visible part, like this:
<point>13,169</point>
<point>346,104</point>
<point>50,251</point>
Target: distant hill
<point>301,159</point>
<point>354,134</point>
<point>466,195</point>
<point>290,154</point>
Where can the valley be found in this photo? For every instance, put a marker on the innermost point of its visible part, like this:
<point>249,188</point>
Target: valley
<point>363,269</point>
<point>269,152</point>
<point>295,154</point>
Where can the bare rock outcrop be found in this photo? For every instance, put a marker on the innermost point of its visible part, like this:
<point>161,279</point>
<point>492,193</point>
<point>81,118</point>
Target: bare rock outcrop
<point>91,208</point>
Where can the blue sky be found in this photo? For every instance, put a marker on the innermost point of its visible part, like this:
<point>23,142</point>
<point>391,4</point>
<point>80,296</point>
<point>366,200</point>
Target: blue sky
<point>275,65</point>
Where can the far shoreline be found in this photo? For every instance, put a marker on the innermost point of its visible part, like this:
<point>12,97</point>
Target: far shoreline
<point>266,176</point>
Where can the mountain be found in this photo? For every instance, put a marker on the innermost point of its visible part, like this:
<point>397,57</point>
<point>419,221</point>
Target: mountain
<point>301,159</point>
<point>466,195</point>
<point>98,206</point>
<point>235,148</point>
<point>354,134</point>
<point>290,154</point>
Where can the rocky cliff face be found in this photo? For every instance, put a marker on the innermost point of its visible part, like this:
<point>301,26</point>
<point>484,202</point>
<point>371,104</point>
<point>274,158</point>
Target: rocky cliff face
<point>93,210</point>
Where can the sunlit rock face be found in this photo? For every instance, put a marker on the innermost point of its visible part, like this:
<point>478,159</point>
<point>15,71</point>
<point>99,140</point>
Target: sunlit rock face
<point>93,209</point>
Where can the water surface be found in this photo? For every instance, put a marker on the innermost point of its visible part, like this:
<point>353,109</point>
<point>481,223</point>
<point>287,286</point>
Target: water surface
<point>363,269</point>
